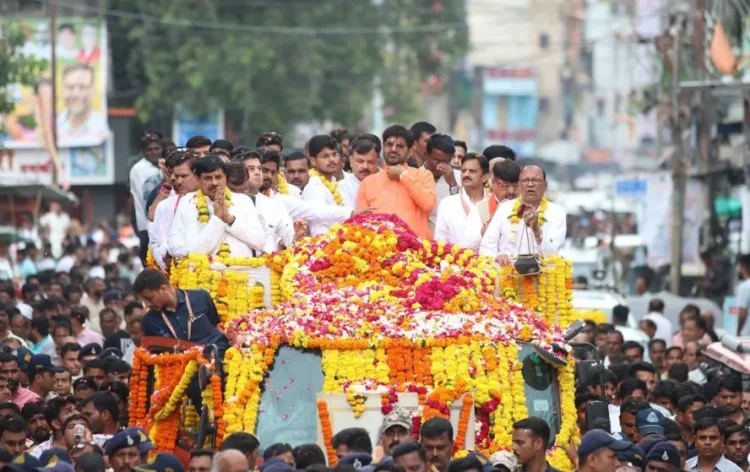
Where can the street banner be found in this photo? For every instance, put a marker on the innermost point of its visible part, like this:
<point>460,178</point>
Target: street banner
<point>80,85</point>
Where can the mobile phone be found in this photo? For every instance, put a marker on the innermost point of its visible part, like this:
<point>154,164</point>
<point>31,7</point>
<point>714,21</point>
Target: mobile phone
<point>597,416</point>
<point>78,431</point>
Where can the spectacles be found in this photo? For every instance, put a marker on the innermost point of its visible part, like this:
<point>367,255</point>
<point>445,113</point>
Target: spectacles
<point>399,146</point>
<point>531,181</point>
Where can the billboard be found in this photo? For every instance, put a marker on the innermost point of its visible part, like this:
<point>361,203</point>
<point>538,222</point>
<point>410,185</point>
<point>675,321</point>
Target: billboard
<point>88,165</point>
<point>80,85</point>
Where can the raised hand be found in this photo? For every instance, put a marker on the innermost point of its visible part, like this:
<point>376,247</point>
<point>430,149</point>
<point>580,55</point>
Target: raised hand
<point>300,229</point>
<point>447,172</point>
<point>394,172</point>
<point>219,205</point>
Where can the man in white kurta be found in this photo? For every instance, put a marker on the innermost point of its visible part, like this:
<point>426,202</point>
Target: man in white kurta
<point>453,211</point>
<point>440,151</point>
<point>325,159</point>
<point>505,240</point>
<point>180,164</point>
<point>275,219</point>
<point>236,222</point>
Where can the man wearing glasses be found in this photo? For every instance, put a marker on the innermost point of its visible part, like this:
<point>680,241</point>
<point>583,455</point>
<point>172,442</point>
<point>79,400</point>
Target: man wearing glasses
<point>528,224</point>
<point>407,192</point>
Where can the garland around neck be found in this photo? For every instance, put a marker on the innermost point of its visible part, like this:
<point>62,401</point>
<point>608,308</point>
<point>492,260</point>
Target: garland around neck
<point>204,214</point>
<point>515,218</point>
<point>332,187</point>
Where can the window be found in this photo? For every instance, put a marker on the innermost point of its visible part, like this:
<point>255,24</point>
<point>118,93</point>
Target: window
<point>544,41</point>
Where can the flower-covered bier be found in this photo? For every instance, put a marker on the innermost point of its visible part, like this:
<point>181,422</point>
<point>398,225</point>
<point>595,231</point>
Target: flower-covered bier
<point>394,313</point>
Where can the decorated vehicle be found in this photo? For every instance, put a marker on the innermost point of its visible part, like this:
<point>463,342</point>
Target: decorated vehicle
<point>368,317</point>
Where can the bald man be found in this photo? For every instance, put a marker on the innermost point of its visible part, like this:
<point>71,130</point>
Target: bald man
<point>230,460</point>
<point>528,224</point>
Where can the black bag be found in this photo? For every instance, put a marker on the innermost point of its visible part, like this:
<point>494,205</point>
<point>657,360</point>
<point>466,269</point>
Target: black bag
<point>527,264</point>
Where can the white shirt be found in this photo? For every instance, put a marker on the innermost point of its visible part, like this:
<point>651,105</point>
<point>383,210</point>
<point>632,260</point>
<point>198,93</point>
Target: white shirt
<point>158,230</point>
<point>663,327</point>
<point>633,334</point>
<point>142,171</point>
<point>294,191</point>
<point>65,263</point>
<point>36,451</point>
<point>316,192</point>
<point>504,237</point>
<point>443,191</point>
<point>188,235</point>
<point>312,213</point>
<point>697,376</point>
<point>278,224</point>
<point>724,465</point>
<point>452,218</point>
<point>474,225</point>
<point>614,415</point>
<point>348,189</point>
<point>6,269</point>
<point>25,309</point>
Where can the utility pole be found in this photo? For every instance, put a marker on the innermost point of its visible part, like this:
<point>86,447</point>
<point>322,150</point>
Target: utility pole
<point>53,72</point>
<point>679,178</point>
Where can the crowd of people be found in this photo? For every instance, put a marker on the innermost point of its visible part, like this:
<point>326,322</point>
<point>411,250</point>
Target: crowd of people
<point>74,307</point>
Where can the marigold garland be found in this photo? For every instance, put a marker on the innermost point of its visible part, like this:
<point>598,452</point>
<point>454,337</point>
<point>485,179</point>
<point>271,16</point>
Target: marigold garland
<point>515,218</point>
<point>463,422</point>
<point>204,213</point>
<point>281,185</point>
<point>233,291</point>
<point>568,425</point>
<point>332,187</point>
<point>150,261</point>
<point>327,429</point>
<point>172,374</point>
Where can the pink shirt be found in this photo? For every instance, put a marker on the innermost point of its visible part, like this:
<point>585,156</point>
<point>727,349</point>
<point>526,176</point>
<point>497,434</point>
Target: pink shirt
<point>88,336</point>
<point>24,396</point>
<point>677,340</point>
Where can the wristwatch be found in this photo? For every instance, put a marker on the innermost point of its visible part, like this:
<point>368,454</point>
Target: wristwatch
<point>454,190</point>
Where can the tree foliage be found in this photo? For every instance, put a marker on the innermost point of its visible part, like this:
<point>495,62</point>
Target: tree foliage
<point>274,63</point>
<point>15,67</point>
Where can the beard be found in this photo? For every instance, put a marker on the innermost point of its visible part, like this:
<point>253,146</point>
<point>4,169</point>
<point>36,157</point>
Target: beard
<point>41,435</point>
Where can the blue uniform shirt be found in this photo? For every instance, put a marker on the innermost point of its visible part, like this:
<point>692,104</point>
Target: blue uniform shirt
<point>206,318</point>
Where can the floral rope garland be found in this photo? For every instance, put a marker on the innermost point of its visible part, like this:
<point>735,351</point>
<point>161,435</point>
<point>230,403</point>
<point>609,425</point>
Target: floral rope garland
<point>204,214</point>
<point>172,375</point>
<point>325,426</point>
<point>332,187</point>
<point>569,433</point>
<point>515,215</point>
